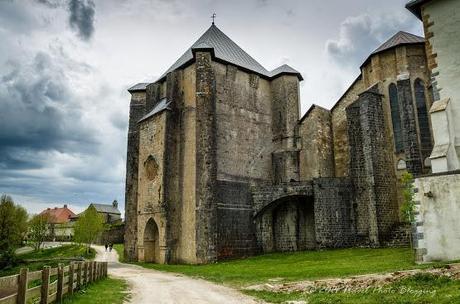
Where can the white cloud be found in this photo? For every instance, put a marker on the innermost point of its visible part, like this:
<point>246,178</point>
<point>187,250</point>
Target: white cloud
<point>360,35</point>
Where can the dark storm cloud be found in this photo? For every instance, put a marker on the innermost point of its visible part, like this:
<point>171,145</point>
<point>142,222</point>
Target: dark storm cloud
<point>362,34</point>
<point>39,114</point>
<point>51,3</point>
<point>81,17</point>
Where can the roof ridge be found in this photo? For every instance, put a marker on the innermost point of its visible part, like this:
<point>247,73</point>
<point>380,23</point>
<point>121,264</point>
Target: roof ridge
<point>399,38</point>
<point>225,49</point>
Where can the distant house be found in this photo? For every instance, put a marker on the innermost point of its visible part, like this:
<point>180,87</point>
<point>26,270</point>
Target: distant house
<point>61,226</point>
<point>110,212</point>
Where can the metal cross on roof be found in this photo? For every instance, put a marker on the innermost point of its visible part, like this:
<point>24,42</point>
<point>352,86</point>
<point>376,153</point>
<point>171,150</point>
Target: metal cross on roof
<point>213,17</point>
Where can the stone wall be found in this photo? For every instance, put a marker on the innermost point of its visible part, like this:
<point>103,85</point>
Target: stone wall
<point>437,199</point>
<point>304,215</point>
<point>206,165</point>
<point>151,186</point>
<point>334,218</point>
<point>285,117</point>
<point>371,170</point>
<point>137,110</point>
<point>243,125</point>
<point>339,128</point>
<point>441,20</point>
<point>185,243</point>
<point>316,155</point>
<point>236,229</point>
<point>244,146</point>
<point>411,142</point>
<point>115,235</point>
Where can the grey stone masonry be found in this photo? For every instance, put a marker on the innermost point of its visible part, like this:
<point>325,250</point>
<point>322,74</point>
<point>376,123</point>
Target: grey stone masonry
<point>371,172</point>
<point>206,165</point>
<point>315,213</point>
<point>136,111</point>
<point>333,212</point>
<point>414,161</point>
<point>153,91</point>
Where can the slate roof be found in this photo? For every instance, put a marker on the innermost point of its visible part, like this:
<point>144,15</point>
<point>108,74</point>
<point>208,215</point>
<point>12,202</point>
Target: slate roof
<point>138,87</point>
<point>106,208</point>
<point>162,105</point>
<point>400,38</point>
<point>226,50</point>
<point>285,69</point>
<point>415,5</point>
<point>58,215</point>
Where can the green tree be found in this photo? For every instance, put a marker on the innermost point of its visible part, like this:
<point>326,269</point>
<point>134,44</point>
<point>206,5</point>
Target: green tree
<point>13,227</point>
<point>88,227</point>
<point>13,224</point>
<point>408,206</point>
<point>38,229</point>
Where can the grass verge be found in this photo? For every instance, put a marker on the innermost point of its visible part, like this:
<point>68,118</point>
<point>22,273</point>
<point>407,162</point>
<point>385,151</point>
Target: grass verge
<point>65,251</point>
<point>422,288</point>
<point>297,266</point>
<point>108,291</point>
<point>120,250</point>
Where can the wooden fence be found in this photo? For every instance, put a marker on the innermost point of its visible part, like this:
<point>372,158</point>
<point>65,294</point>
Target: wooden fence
<point>50,284</point>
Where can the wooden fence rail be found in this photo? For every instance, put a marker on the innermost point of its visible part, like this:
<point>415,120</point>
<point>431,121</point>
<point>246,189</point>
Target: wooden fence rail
<point>50,284</point>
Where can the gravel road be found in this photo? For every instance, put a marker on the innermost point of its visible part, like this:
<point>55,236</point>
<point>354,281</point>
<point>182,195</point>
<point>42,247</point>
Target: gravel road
<point>150,286</point>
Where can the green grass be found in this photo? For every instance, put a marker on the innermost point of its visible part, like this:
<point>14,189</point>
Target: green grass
<point>66,251</point>
<point>120,250</point>
<point>419,289</point>
<point>297,266</point>
<point>108,291</point>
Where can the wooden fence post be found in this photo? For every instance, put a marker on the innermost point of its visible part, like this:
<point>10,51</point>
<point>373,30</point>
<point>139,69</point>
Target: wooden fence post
<point>85,273</point>
<point>45,289</point>
<point>78,275</point>
<point>106,266</point>
<point>71,268</point>
<point>90,272</point>
<point>97,271</point>
<point>22,286</point>
<point>60,283</point>
<point>94,271</point>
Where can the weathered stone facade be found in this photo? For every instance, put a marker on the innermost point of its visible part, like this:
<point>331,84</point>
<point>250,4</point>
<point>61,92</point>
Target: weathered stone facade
<point>220,165</point>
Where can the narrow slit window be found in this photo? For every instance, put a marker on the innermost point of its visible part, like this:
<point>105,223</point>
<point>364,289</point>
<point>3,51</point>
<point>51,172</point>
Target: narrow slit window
<point>422,116</point>
<point>395,118</point>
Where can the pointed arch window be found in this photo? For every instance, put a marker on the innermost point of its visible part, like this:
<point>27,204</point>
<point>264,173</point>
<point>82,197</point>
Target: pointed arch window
<point>422,115</point>
<point>395,118</point>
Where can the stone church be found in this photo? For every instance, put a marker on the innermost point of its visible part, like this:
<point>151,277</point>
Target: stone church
<point>220,164</point>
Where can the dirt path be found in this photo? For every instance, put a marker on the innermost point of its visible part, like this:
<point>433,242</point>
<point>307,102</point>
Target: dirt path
<point>358,282</point>
<point>150,286</point>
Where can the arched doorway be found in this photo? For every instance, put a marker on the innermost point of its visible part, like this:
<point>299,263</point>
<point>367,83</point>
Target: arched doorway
<point>151,242</point>
<point>288,224</point>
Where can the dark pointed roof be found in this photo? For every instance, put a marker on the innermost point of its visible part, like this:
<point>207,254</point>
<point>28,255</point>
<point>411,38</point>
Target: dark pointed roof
<point>415,5</point>
<point>161,106</point>
<point>224,49</point>
<point>400,38</point>
<point>138,87</point>
<point>285,69</point>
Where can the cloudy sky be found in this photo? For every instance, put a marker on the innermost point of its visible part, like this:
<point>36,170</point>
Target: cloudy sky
<point>65,66</point>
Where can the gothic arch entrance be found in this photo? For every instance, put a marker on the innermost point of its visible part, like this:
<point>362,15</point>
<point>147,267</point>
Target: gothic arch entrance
<point>151,242</point>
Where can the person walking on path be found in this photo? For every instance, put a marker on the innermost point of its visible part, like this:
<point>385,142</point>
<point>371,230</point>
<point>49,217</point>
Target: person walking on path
<point>106,245</point>
<point>110,247</point>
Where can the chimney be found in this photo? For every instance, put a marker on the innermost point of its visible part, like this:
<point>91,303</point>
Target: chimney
<point>115,204</point>
<point>48,208</point>
<point>55,208</point>
<point>65,206</point>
